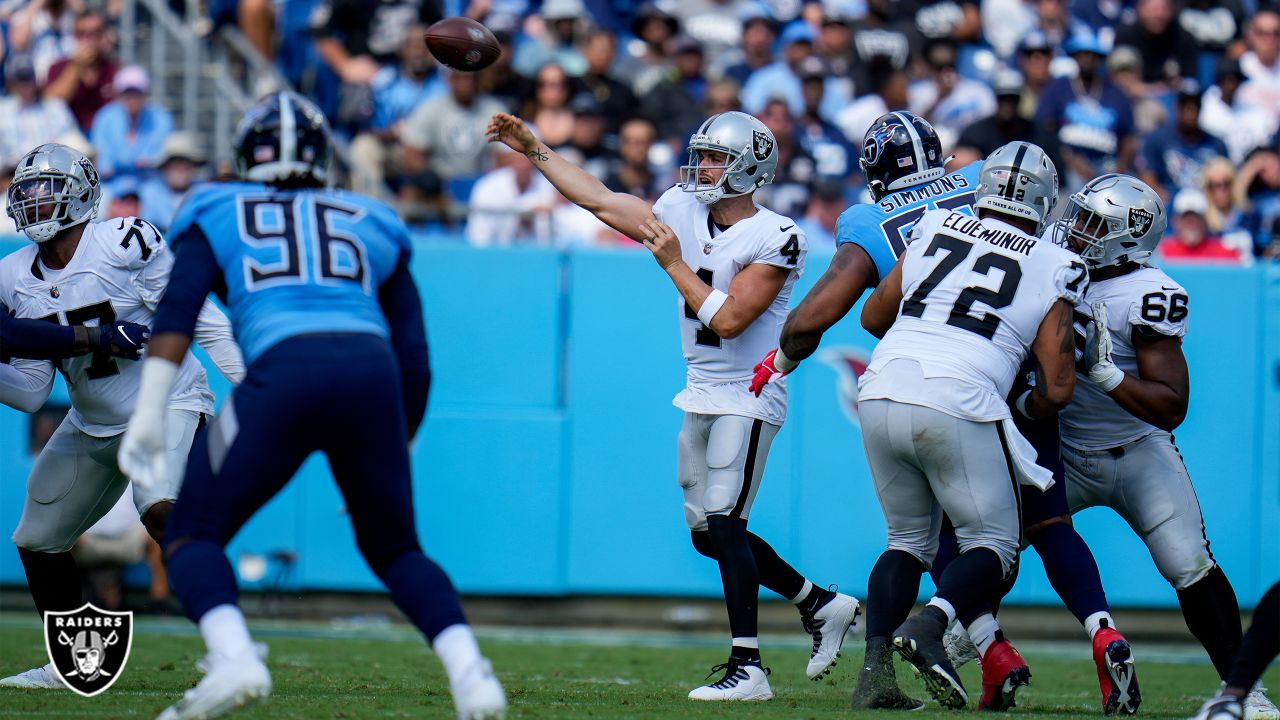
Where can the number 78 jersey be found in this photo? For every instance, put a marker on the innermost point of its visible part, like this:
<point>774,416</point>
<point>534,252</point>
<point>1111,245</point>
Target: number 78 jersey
<point>296,262</point>
<point>974,295</point>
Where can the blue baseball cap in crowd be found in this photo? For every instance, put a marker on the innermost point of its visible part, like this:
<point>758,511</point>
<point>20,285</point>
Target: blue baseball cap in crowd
<point>1085,41</point>
<point>798,31</point>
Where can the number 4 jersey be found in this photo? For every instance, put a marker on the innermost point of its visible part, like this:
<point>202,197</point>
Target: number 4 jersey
<point>118,272</point>
<point>720,369</point>
<point>1143,301</point>
<point>974,295</point>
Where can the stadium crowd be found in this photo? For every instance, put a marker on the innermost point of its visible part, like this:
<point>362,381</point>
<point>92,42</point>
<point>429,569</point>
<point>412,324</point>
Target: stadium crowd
<point>1184,94</point>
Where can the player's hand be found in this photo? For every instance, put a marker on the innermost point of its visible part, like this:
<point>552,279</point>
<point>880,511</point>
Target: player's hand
<point>124,340</point>
<point>661,240</point>
<point>1097,350</point>
<point>512,132</point>
<point>766,371</point>
<point>142,454</point>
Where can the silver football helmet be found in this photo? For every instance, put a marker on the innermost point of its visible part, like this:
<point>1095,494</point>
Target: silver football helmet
<point>751,157</point>
<point>55,187</point>
<point>1114,219</point>
<point>1018,179</point>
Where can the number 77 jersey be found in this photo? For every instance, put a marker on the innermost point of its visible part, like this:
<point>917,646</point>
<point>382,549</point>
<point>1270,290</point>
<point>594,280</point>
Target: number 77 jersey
<point>296,262</point>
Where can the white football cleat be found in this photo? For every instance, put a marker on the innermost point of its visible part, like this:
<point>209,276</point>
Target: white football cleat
<point>1220,707</point>
<point>960,647</point>
<point>478,695</point>
<point>828,627</point>
<point>1257,706</point>
<point>743,682</point>
<point>41,678</point>
<point>228,684</point>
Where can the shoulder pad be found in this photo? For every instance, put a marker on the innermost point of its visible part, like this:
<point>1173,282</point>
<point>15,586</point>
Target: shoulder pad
<point>132,238</point>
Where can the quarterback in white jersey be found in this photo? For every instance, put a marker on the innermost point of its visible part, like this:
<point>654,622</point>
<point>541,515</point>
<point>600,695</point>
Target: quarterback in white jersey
<point>957,314</point>
<point>1133,391</point>
<point>734,264</point>
<point>84,272</point>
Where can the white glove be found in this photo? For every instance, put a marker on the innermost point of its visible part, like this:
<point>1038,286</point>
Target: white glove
<point>142,455</point>
<point>1097,351</point>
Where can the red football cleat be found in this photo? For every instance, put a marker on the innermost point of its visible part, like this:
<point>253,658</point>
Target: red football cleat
<point>1003,672</point>
<point>1116,675</point>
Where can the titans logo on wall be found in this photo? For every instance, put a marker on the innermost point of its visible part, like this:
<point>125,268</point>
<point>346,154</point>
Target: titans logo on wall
<point>849,364</point>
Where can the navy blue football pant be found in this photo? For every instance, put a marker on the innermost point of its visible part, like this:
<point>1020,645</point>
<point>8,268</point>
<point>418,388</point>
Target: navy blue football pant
<point>338,394</point>
<point>1068,563</point>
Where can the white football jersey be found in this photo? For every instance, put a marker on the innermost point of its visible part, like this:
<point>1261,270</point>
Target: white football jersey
<point>720,369</point>
<point>1144,298</point>
<point>974,295</point>
<point>119,272</point>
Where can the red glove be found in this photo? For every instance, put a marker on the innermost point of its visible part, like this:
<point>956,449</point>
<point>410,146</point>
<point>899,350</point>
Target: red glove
<point>766,373</point>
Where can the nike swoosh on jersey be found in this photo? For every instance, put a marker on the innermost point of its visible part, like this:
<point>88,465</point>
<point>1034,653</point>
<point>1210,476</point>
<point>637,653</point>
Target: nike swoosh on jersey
<point>784,229</point>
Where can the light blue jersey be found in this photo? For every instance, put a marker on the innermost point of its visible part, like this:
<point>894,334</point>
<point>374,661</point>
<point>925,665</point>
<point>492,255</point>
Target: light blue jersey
<point>882,228</point>
<point>296,262</point>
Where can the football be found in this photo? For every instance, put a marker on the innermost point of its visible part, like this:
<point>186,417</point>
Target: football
<point>462,44</point>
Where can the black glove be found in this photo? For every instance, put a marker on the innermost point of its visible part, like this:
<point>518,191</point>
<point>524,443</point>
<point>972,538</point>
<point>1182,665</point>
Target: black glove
<point>124,340</point>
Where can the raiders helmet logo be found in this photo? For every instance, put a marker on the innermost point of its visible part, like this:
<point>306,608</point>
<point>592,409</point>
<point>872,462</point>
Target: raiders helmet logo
<point>761,145</point>
<point>1139,222</point>
<point>874,146</point>
<point>88,647</point>
<point>90,172</point>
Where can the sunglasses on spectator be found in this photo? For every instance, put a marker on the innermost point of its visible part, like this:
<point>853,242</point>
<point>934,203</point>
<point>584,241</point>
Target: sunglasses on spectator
<point>552,83</point>
<point>1216,184</point>
<point>1268,32</point>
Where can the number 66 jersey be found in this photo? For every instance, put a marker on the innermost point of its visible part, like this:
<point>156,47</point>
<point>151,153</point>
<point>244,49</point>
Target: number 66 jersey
<point>1144,301</point>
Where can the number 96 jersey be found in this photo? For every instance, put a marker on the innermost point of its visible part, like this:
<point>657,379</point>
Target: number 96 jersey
<point>720,369</point>
<point>1143,301</point>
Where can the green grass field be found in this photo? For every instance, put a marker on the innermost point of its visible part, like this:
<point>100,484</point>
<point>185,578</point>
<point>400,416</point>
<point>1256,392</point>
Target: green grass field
<point>386,672</point>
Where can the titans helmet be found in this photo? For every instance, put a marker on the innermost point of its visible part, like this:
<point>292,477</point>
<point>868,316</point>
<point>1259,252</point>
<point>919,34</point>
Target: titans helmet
<point>1018,179</point>
<point>54,187</point>
<point>900,150</point>
<point>1114,219</point>
<point>751,157</point>
<point>284,140</point>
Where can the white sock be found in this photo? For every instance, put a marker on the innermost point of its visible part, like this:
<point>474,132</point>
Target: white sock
<point>945,607</point>
<point>225,633</point>
<point>747,642</point>
<point>457,649</point>
<point>804,593</point>
<point>983,632</point>
<point>1094,623</point>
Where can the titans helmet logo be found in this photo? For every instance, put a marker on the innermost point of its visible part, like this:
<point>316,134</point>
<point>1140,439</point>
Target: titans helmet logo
<point>874,145</point>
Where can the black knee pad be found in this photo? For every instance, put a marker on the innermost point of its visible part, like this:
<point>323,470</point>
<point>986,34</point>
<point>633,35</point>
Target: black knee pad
<point>702,543</point>
<point>156,519</point>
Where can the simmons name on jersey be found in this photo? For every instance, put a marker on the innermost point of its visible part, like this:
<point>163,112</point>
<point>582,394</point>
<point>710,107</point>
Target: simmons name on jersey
<point>720,369</point>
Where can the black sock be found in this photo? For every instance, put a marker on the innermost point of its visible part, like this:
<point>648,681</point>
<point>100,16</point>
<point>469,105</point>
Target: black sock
<point>54,580</point>
<point>745,654</point>
<point>737,572</point>
<point>894,585</point>
<point>816,598</point>
<point>972,580</point>
<point>1213,615</point>
<point>775,573</point>
<point>1261,644</point>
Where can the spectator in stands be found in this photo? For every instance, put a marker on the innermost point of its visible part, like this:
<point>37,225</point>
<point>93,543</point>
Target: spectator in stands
<point>83,80</point>
<point>631,172</point>
<point>1168,52</point>
<point>588,137</point>
<point>44,29</point>
<point>1191,241</point>
<point>888,92</point>
<point>759,33</point>
<point>1035,58</point>
<point>1091,116</point>
<point>983,137</point>
<point>129,132</point>
<point>779,79</point>
<point>722,96</point>
<point>947,99</point>
<point>788,194</point>
<point>1124,68</point>
<point>1240,125</point>
<point>826,202</point>
<point>1007,23</point>
<point>820,139</point>
<point>548,107</point>
<point>835,48</point>
<point>181,165</point>
<point>442,141</point>
<point>1214,26</point>
<point>1228,214</point>
<point>1260,179</point>
<point>511,202</point>
<point>717,24</point>
<point>959,21</point>
<point>397,90</point>
<point>887,33</point>
<point>26,118</point>
<point>1174,157</point>
<point>647,62</point>
<point>500,80</point>
<point>1261,63</point>
<point>554,38</point>
<point>120,198</point>
<point>674,105</point>
<point>616,98</point>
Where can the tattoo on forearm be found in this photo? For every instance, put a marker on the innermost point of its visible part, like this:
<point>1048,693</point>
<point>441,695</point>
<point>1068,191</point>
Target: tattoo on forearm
<point>1066,326</point>
<point>537,155</point>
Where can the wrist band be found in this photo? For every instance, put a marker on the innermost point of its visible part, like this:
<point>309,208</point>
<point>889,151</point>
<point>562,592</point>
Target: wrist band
<point>711,306</point>
<point>1021,404</point>
<point>783,363</point>
<point>1113,379</point>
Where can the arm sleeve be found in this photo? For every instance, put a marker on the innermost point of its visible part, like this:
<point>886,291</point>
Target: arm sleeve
<point>213,333</point>
<point>402,306</point>
<point>25,384</point>
<point>195,273</point>
<point>35,339</point>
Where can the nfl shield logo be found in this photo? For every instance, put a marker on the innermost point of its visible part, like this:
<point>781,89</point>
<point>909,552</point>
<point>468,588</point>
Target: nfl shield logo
<point>1139,222</point>
<point>88,647</point>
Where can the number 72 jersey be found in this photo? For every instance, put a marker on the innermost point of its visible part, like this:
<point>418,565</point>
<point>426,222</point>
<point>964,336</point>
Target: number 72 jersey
<point>295,262</point>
